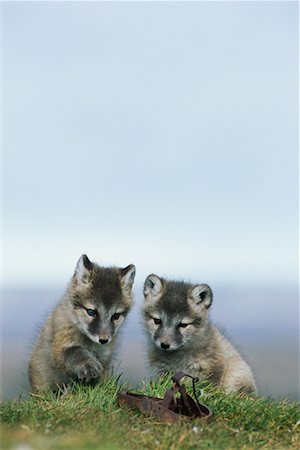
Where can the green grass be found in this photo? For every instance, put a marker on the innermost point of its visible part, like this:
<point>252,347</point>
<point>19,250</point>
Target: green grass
<point>89,418</point>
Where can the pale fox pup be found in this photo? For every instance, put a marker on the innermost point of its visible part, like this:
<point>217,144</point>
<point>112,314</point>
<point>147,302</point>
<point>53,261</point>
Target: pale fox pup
<point>181,337</point>
<point>78,338</point>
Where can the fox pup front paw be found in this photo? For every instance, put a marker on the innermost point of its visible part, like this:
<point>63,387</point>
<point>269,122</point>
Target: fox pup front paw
<point>88,370</point>
<point>81,364</point>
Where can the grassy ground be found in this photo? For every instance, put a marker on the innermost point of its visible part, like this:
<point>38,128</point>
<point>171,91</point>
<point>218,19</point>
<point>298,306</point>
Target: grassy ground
<point>88,418</point>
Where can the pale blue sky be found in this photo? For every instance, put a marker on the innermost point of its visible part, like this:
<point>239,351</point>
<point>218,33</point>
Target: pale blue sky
<point>160,134</point>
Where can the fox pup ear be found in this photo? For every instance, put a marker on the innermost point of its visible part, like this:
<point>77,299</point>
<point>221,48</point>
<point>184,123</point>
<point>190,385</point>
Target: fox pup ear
<point>201,294</point>
<point>127,277</point>
<point>153,287</point>
<point>84,265</point>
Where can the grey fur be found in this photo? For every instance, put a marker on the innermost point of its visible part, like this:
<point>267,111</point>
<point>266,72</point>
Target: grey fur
<point>180,335</point>
<point>69,345</point>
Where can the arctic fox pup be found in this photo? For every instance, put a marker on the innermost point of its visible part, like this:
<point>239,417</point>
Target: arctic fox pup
<point>181,337</point>
<point>78,338</point>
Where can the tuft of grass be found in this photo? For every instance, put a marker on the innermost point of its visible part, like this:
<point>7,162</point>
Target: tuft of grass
<point>86,417</point>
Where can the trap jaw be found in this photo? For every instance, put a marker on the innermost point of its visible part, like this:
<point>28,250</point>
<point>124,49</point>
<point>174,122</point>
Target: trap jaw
<point>171,408</point>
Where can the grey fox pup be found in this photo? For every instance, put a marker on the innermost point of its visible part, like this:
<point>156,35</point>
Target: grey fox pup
<point>181,337</point>
<point>78,338</point>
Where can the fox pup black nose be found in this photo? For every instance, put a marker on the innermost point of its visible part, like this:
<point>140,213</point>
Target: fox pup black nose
<point>103,341</point>
<point>164,346</point>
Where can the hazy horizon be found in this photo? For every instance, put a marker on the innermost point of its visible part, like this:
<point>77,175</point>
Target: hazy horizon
<point>270,346</point>
<point>163,134</point>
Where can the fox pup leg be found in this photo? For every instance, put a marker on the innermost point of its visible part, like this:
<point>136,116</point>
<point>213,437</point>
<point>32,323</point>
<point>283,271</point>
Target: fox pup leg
<point>80,363</point>
<point>239,379</point>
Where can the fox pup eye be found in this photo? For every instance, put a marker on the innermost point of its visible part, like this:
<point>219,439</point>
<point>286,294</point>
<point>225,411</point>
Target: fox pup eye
<point>91,312</point>
<point>157,321</point>
<point>183,325</point>
<point>115,316</point>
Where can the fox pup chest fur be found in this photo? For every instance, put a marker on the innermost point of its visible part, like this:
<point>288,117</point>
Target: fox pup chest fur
<point>78,338</point>
<point>181,337</point>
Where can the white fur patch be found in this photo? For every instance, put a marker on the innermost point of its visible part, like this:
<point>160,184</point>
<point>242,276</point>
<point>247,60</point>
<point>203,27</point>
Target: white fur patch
<point>128,279</point>
<point>81,271</point>
<point>153,288</point>
<point>201,295</point>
